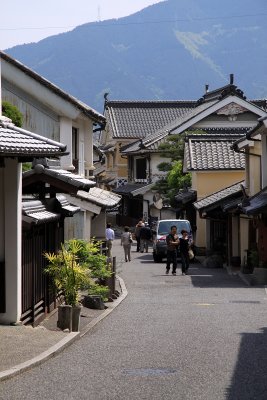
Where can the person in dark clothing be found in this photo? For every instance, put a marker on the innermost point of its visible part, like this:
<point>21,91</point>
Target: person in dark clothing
<point>172,241</point>
<point>145,237</point>
<point>184,247</point>
<point>137,233</point>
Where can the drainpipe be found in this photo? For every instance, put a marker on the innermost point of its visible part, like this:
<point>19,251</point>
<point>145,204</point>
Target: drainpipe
<point>149,169</point>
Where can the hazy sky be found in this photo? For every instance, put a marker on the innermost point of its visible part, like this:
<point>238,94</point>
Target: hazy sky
<point>32,20</point>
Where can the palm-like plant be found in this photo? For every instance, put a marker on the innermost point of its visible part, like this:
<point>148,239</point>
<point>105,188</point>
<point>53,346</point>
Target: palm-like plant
<point>67,274</point>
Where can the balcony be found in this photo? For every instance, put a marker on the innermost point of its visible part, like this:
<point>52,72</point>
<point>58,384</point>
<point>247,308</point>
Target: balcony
<point>141,180</point>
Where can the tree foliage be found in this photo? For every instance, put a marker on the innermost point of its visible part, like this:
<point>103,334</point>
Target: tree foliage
<point>13,113</point>
<point>176,178</point>
<point>172,148</point>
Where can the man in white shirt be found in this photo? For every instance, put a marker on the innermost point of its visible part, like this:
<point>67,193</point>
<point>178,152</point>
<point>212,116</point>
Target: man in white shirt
<point>109,238</point>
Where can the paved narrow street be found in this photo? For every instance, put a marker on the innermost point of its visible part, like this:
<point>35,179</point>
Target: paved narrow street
<point>201,336</point>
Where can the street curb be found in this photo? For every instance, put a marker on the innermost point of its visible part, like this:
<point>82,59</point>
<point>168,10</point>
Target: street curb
<point>111,307</point>
<point>242,276</point>
<point>245,279</point>
<point>65,342</point>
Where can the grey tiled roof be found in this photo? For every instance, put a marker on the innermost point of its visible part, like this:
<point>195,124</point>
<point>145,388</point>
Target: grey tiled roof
<point>257,203</point>
<point>69,177</point>
<point>15,141</point>
<point>217,197</point>
<point>186,196</point>
<point>74,180</point>
<point>37,212</point>
<point>208,152</point>
<point>152,142</point>
<point>138,119</point>
<point>178,122</point>
<point>222,131</point>
<point>84,108</point>
<point>41,211</point>
<point>133,188</point>
<point>100,197</point>
<point>67,208</point>
<point>149,144</point>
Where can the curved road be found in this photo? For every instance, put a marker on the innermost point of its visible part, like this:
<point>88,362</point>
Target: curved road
<point>201,336</point>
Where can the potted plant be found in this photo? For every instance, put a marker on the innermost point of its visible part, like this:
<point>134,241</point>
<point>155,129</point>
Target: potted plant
<point>90,256</point>
<point>68,277</point>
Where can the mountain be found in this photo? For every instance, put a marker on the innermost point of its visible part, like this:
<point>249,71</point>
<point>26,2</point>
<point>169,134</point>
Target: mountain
<point>169,50</point>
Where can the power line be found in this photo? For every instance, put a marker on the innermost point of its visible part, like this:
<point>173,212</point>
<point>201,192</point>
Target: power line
<point>100,24</point>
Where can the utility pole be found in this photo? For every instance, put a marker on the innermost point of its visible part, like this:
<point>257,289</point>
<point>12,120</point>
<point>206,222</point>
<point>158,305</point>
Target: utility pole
<point>98,13</point>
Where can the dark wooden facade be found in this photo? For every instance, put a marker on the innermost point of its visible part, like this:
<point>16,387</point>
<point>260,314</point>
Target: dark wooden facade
<point>37,295</point>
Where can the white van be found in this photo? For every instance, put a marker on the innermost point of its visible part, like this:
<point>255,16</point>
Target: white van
<point>161,230</point>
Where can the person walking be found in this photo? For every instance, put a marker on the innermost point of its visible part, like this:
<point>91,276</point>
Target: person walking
<point>126,242</point>
<point>184,248</point>
<point>172,241</point>
<point>145,237</point>
<point>138,227</point>
<point>109,238</point>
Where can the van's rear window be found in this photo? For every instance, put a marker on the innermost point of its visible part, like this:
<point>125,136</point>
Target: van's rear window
<point>165,227</point>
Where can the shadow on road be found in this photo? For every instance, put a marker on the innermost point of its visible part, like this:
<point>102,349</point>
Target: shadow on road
<point>199,275</point>
<point>249,378</point>
<point>214,277</point>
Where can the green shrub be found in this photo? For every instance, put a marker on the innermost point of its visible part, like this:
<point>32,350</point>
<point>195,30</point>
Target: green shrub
<point>76,267</point>
<point>13,113</point>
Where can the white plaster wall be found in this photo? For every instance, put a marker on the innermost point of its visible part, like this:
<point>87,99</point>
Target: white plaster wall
<point>36,117</point>
<point>255,170</point>
<point>74,227</point>
<point>155,213</point>
<point>12,206</point>
<point>88,225</point>
<point>37,90</point>
<point>66,138</point>
<point>98,229</point>
<point>88,147</point>
<point>167,214</point>
<point>81,154</point>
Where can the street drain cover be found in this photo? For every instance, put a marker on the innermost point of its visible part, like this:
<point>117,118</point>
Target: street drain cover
<point>245,301</point>
<point>149,371</point>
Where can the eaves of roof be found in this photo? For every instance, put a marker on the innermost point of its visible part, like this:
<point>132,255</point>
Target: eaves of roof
<point>85,109</point>
<point>207,108</point>
<point>258,129</point>
<point>214,199</point>
<point>55,176</point>
<point>133,189</point>
<point>100,197</point>
<point>18,142</point>
<point>36,212</point>
<point>257,204</point>
<point>186,196</point>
